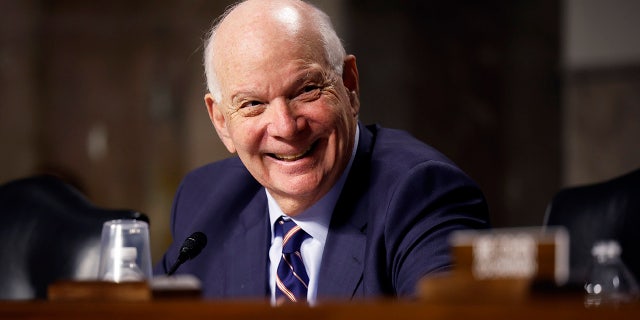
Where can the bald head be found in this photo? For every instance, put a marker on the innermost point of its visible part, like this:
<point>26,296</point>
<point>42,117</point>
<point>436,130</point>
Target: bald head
<point>250,26</point>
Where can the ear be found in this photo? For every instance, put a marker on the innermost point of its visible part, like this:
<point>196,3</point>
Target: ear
<point>351,81</point>
<point>219,122</point>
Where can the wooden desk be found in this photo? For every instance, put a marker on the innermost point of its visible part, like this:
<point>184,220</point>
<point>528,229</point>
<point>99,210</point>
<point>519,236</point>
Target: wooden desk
<point>452,297</point>
<point>539,309</point>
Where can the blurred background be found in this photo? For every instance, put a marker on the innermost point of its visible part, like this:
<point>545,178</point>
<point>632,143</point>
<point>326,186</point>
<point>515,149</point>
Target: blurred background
<point>528,97</point>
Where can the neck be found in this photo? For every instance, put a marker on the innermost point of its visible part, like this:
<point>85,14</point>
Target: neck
<point>290,206</point>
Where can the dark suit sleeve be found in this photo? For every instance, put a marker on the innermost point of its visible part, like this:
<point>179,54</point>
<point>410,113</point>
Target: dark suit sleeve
<point>427,204</point>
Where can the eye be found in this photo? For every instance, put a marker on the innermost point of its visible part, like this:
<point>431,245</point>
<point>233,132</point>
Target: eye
<point>250,108</point>
<point>250,104</point>
<point>309,92</point>
<point>310,88</point>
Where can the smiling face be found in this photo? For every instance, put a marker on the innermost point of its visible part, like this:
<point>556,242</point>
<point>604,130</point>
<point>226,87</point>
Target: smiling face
<point>286,113</point>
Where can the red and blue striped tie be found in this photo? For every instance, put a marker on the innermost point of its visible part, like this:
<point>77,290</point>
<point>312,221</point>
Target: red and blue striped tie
<point>292,280</point>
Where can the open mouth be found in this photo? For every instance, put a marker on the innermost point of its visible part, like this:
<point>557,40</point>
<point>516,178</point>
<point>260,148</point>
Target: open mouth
<point>293,157</point>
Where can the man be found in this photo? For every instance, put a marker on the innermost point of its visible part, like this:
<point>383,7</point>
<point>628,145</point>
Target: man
<point>374,205</point>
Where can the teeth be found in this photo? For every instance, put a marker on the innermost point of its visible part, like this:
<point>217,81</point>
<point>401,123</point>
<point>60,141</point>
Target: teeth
<point>291,157</point>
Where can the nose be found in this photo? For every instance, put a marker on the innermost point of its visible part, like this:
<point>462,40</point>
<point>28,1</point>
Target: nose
<point>283,122</point>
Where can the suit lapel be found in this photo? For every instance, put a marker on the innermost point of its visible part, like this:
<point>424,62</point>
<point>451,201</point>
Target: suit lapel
<point>341,272</point>
<point>246,251</point>
<point>342,263</point>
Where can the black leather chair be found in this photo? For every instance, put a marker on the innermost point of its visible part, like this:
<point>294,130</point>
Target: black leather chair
<point>600,211</point>
<point>48,231</point>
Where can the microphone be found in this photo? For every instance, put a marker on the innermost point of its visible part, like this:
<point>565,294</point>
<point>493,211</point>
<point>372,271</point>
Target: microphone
<point>189,250</point>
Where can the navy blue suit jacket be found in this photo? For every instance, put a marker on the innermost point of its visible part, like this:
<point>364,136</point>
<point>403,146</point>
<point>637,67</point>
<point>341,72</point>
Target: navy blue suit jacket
<point>389,228</point>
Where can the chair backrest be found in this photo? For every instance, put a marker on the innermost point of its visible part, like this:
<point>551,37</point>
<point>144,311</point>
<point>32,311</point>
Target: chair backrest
<point>48,231</point>
<point>600,211</point>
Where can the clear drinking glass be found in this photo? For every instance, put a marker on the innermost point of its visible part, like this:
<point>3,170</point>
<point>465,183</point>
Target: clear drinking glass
<point>125,253</point>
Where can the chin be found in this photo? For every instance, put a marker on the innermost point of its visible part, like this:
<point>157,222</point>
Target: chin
<point>301,188</point>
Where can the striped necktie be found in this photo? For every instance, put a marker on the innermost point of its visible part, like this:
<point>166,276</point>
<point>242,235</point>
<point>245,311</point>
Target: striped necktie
<point>291,278</point>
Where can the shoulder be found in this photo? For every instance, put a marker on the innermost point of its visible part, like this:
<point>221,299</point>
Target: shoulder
<point>226,179</point>
<point>224,176</point>
<point>209,194</point>
<point>396,154</point>
<point>404,172</point>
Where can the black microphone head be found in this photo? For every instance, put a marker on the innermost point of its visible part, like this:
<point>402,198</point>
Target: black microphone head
<point>193,245</point>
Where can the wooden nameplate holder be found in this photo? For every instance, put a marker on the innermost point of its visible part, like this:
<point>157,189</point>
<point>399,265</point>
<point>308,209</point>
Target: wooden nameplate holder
<point>501,265</point>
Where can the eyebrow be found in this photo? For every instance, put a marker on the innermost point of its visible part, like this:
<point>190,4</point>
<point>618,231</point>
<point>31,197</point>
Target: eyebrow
<point>313,73</point>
